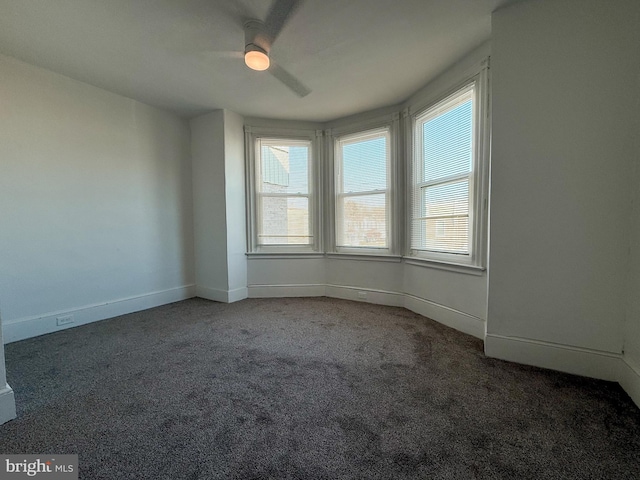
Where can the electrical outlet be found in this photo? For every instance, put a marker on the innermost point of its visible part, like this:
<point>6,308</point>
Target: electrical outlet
<point>362,295</point>
<point>65,320</point>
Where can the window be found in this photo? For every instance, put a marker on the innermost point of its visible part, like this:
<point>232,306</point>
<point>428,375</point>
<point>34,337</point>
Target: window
<point>447,177</point>
<point>362,171</point>
<point>283,192</point>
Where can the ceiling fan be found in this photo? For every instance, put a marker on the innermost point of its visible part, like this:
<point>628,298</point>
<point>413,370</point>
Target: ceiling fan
<point>259,38</point>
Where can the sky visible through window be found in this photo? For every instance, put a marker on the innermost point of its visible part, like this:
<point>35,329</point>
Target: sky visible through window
<point>365,166</point>
<point>298,169</point>
<point>447,143</point>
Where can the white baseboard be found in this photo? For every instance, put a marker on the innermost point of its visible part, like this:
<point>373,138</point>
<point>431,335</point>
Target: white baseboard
<point>630,379</point>
<point>238,294</point>
<point>450,317</point>
<point>7,404</point>
<point>224,296</point>
<point>379,297</point>
<point>22,328</point>
<point>564,358</point>
<point>214,294</point>
<point>282,291</point>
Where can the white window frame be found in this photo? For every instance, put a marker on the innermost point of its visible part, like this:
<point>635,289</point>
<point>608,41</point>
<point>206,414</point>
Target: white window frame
<point>390,123</point>
<point>478,177</point>
<point>339,196</point>
<point>253,137</point>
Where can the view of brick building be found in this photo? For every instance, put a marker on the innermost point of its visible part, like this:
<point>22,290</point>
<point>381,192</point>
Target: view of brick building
<point>285,220</point>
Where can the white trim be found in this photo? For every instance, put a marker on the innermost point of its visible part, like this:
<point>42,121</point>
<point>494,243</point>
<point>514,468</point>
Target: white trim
<point>238,294</point>
<point>7,404</point>
<point>448,316</point>
<point>387,132</point>
<point>630,379</point>
<point>212,294</point>
<point>283,291</point>
<point>365,256</point>
<point>278,132</point>
<point>387,124</point>
<point>579,361</point>
<point>22,328</point>
<point>353,125</point>
<point>452,267</point>
<point>313,138</point>
<point>282,255</point>
<point>478,80</point>
<point>379,297</point>
<point>223,296</point>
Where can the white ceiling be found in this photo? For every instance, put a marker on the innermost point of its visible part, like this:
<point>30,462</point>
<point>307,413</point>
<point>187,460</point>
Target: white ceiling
<point>354,55</point>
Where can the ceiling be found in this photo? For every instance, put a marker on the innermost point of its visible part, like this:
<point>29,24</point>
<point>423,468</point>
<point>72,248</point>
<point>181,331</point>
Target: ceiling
<point>355,55</point>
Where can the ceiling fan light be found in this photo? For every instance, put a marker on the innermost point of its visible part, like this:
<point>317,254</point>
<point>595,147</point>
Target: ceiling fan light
<point>256,60</point>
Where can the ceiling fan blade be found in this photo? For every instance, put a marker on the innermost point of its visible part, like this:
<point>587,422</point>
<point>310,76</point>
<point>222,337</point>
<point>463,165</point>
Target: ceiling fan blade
<point>235,10</point>
<point>208,57</point>
<point>278,16</point>
<point>225,54</point>
<point>289,80</point>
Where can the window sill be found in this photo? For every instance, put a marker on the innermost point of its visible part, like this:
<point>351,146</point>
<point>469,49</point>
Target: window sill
<point>385,257</point>
<point>452,267</point>
<point>420,262</point>
<point>283,255</point>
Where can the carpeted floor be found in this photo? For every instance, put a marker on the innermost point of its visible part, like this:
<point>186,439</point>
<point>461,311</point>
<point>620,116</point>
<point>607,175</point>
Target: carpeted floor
<point>311,388</point>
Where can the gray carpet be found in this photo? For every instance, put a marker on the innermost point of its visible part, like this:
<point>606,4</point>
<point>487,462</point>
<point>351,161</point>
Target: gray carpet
<point>311,388</point>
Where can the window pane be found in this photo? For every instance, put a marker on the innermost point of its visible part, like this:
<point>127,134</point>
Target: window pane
<point>363,221</point>
<point>444,225</point>
<point>285,169</point>
<point>364,165</point>
<point>284,220</point>
<point>445,234</point>
<point>446,199</point>
<point>447,143</point>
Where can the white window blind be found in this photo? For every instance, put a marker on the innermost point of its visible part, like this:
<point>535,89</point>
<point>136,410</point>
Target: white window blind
<point>443,176</point>
<point>283,193</point>
<point>362,190</point>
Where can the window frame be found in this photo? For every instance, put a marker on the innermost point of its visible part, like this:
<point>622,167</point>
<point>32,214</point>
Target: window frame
<point>390,123</point>
<point>340,196</point>
<point>254,135</point>
<point>475,261</point>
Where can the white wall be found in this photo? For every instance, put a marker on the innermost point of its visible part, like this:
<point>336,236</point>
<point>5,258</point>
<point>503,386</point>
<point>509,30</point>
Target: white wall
<point>217,151</point>
<point>95,202</point>
<point>234,162</point>
<point>462,292</point>
<point>631,379</point>
<point>292,277</point>
<point>366,274</point>
<point>210,218</point>
<point>564,78</point>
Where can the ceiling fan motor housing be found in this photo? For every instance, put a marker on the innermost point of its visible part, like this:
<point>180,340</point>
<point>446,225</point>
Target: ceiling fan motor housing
<point>255,38</point>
